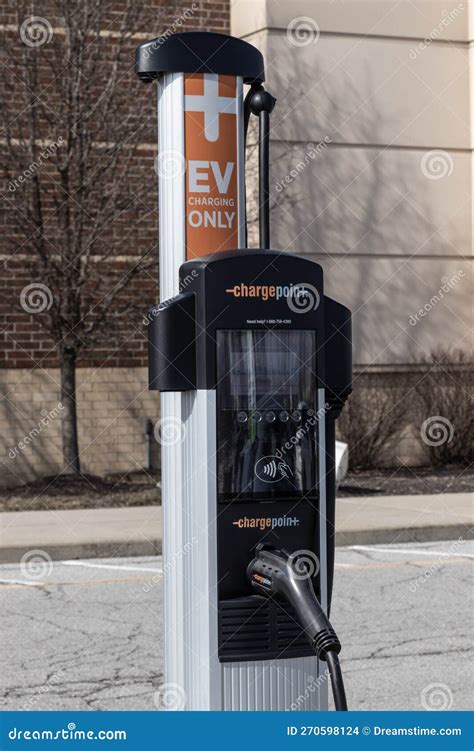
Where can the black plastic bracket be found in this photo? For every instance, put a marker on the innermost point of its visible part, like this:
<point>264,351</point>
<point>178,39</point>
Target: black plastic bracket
<point>337,354</point>
<point>172,344</point>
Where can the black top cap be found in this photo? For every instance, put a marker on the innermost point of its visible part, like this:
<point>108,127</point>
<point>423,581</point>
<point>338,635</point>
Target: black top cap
<point>199,52</point>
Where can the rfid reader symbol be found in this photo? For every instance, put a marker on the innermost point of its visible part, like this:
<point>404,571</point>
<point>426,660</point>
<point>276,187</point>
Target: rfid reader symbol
<point>272,469</point>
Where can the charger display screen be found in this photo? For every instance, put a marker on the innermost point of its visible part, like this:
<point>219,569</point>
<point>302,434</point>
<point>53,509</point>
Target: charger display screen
<point>267,421</point>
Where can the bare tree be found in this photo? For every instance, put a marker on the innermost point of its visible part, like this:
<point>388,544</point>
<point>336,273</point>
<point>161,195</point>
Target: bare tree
<point>72,124</point>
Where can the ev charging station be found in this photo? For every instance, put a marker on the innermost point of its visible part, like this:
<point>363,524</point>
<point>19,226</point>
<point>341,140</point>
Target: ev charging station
<point>253,362</point>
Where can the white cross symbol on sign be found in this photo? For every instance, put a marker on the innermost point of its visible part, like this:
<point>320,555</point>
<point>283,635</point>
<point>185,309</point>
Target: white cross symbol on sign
<point>211,104</point>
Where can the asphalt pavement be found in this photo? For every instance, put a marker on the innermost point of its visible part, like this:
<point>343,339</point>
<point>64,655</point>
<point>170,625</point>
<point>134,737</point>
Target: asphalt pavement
<point>87,634</point>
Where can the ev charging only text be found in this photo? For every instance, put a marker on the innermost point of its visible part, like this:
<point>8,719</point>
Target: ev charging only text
<point>210,212</point>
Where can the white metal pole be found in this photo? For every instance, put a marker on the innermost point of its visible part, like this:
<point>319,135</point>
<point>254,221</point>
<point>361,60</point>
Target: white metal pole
<point>171,186</point>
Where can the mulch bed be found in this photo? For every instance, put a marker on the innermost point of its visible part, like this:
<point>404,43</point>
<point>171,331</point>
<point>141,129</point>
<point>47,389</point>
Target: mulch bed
<point>409,481</point>
<point>83,491</point>
<point>142,489</point>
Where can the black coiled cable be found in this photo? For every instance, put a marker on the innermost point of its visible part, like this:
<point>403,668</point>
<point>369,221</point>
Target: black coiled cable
<point>338,691</point>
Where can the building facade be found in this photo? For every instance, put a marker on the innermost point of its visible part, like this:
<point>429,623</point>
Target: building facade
<point>372,164</point>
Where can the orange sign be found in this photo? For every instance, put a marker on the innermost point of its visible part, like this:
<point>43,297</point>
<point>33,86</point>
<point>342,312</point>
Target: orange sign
<point>211,149</point>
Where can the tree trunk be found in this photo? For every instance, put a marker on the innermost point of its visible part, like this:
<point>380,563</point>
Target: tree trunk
<point>69,418</point>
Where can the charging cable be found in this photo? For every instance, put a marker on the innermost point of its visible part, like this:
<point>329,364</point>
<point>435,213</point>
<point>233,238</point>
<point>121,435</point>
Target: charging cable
<point>277,573</point>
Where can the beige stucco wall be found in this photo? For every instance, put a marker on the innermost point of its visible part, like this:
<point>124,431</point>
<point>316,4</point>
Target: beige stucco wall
<point>112,405</point>
<point>388,220</point>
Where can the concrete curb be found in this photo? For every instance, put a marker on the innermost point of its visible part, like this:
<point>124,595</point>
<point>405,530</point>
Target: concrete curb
<point>96,550</point>
<point>137,531</point>
<point>395,536</point>
<point>81,533</point>
<point>403,518</point>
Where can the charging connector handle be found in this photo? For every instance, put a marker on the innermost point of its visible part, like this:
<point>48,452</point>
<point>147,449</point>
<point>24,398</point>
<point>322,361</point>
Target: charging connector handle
<point>277,573</point>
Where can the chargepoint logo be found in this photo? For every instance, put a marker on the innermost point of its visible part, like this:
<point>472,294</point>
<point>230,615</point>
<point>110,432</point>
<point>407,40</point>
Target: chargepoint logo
<point>300,297</point>
<point>307,299</point>
<point>266,522</point>
<point>264,581</point>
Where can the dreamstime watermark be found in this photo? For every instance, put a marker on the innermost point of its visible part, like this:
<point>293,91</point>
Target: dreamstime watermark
<point>303,564</point>
<point>36,564</point>
<point>169,431</point>
<point>46,419</point>
<point>53,680</point>
<point>437,697</point>
<point>311,153</point>
<point>170,164</point>
<point>32,168</point>
<point>314,684</point>
<point>175,26</point>
<point>437,164</point>
<point>306,299</point>
<point>71,733</point>
<point>183,284</point>
<point>302,31</point>
<point>448,18</point>
<point>36,31</point>
<point>311,420</point>
<point>436,431</point>
<point>436,565</point>
<point>36,298</point>
<point>170,565</point>
<point>170,696</point>
<point>446,286</point>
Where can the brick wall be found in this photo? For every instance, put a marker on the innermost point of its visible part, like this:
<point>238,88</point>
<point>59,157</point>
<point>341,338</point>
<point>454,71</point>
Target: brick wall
<point>112,405</point>
<point>23,340</point>
<point>112,395</point>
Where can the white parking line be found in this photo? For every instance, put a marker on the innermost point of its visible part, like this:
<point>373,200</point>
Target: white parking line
<point>22,581</point>
<point>375,549</point>
<point>111,566</point>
